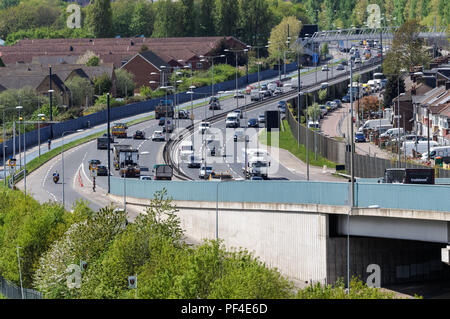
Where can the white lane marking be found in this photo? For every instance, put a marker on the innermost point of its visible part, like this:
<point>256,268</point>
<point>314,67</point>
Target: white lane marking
<point>84,173</point>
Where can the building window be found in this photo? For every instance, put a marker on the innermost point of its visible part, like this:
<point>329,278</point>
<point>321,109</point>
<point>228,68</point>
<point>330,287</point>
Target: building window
<point>199,65</point>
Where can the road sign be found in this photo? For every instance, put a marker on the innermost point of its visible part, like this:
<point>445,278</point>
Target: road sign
<point>12,162</point>
<point>315,57</point>
<point>132,282</point>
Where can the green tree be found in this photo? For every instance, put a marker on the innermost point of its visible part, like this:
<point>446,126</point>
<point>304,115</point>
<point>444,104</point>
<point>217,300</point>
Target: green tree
<point>82,91</point>
<point>102,84</point>
<point>407,49</point>
<point>85,240</point>
<point>279,34</point>
<point>323,95</point>
<point>125,83</point>
<point>254,15</point>
<point>167,19</point>
<point>93,61</point>
<point>226,16</point>
<point>145,91</point>
<point>188,13</point>
<point>4,4</point>
<point>99,18</point>
<point>394,86</point>
<point>206,23</point>
<point>142,19</point>
<point>314,112</point>
<point>122,12</point>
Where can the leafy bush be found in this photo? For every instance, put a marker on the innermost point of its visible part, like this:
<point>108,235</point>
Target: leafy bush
<point>33,227</point>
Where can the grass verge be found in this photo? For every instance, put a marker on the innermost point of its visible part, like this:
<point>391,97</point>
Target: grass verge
<point>44,158</point>
<point>289,143</point>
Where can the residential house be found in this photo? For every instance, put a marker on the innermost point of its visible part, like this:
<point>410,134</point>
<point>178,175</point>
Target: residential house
<point>148,67</point>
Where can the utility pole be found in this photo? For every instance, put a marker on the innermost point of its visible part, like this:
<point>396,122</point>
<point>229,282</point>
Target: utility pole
<point>109,140</point>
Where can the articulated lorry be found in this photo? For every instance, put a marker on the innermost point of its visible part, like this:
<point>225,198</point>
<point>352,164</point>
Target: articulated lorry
<point>126,160</point>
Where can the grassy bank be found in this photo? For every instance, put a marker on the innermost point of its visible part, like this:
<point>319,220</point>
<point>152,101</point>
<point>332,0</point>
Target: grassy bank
<point>289,143</point>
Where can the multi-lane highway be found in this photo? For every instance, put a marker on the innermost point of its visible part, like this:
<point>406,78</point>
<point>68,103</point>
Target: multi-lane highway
<point>76,171</point>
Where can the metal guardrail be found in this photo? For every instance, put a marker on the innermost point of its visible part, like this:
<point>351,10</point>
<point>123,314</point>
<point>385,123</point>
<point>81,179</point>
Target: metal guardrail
<point>167,151</point>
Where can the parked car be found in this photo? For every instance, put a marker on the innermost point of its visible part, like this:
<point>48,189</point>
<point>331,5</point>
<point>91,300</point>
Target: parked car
<point>346,99</point>
<point>139,135</point>
<point>261,118</point>
<point>102,170</point>
<point>338,102</point>
<point>359,137</point>
<point>158,136</point>
<point>252,123</point>
<point>323,110</point>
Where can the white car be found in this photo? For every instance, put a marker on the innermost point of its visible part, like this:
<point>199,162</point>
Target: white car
<point>158,136</point>
<point>238,112</point>
<point>145,178</point>
<point>239,95</point>
<point>204,127</point>
<point>325,68</point>
<point>357,60</point>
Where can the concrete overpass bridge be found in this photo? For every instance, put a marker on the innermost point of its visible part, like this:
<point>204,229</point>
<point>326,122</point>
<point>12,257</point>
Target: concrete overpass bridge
<point>301,227</point>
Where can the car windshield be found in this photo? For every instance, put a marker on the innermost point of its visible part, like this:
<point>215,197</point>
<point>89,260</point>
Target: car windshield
<point>208,168</point>
<point>259,164</point>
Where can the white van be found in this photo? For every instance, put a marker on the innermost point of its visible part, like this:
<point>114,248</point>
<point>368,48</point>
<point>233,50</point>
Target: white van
<point>186,150</point>
<point>437,151</point>
<point>232,120</point>
<point>421,147</point>
<point>392,132</point>
<point>372,124</point>
<point>272,86</point>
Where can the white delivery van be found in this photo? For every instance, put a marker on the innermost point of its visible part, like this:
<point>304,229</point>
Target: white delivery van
<point>392,132</point>
<point>232,120</point>
<point>186,150</point>
<point>421,147</point>
<point>256,95</point>
<point>372,85</point>
<point>437,151</point>
<point>372,124</point>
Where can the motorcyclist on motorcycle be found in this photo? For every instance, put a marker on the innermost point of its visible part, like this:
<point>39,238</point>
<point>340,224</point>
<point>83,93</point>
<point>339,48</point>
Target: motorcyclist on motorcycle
<point>56,176</point>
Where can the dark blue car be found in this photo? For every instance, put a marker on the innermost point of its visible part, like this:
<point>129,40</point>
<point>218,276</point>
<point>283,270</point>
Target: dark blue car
<point>346,99</point>
<point>253,123</point>
<point>359,137</point>
<point>282,104</point>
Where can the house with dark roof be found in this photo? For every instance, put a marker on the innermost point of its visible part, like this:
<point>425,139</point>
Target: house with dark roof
<point>38,81</point>
<point>146,67</point>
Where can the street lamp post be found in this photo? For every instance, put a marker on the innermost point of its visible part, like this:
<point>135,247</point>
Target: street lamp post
<point>20,119</point>
<point>4,140</point>
<point>236,58</point>
<point>212,71</point>
<point>40,116</point>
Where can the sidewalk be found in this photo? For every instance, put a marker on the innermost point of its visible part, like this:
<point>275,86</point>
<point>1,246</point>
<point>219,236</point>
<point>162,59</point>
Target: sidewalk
<point>298,167</point>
